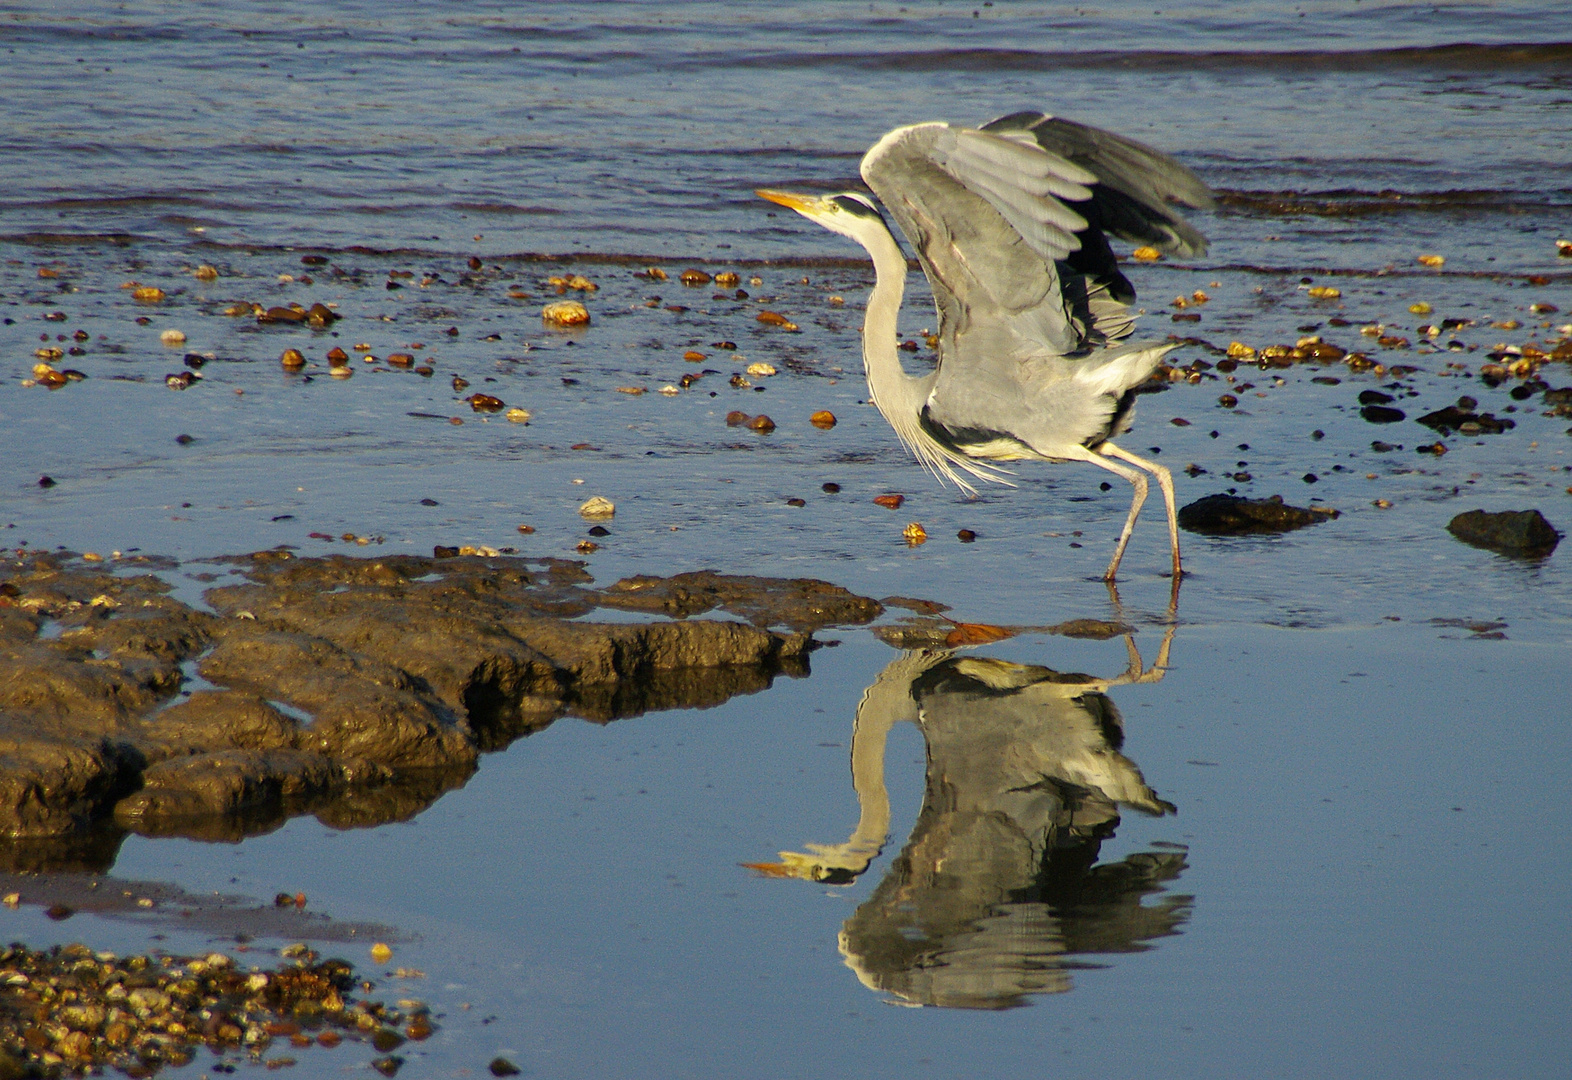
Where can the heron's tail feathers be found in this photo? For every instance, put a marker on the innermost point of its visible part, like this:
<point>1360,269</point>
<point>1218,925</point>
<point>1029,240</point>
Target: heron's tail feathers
<point>1121,368</point>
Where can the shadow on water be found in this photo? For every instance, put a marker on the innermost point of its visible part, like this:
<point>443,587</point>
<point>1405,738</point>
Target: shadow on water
<point>997,893</point>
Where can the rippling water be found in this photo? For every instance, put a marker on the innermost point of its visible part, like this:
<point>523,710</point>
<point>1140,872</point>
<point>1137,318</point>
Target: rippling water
<point>644,127</point>
<point>1365,872</point>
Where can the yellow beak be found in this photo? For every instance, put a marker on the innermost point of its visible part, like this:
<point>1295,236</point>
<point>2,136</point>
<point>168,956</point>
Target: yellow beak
<point>800,203</point>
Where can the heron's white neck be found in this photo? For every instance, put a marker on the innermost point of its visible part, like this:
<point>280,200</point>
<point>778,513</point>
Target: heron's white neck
<point>899,396</point>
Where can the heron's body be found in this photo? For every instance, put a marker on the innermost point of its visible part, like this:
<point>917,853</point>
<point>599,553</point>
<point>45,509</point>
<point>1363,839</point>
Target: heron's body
<point>1010,222</point>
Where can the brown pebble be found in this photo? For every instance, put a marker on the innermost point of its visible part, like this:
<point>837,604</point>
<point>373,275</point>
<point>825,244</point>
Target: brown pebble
<point>337,356</point>
<point>585,547</point>
<point>526,529</point>
<point>459,383</point>
<point>329,1038</point>
<point>693,356</point>
<point>503,1067</point>
<point>59,912</point>
<point>485,403</point>
<point>1179,421</point>
<point>832,488</point>
<point>400,359</point>
<point>736,418</point>
<point>775,318</point>
<point>762,424</point>
<point>823,419</point>
<point>1228,401</point>
<point>796,502</point>
<point>966,536</point>
<point>890,502</point>
<point>694,277</point>
<point>292,359</point>
<point>727,279</point>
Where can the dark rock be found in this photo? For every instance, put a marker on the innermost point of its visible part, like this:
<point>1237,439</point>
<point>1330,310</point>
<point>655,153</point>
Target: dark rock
<point>1511,532</point>
<point>1382,414</point>
<point>356,689</point>
<point>1452,418</point>
<point>503,1067</point>
<point>1374,397</point>
<point>1227,515</point>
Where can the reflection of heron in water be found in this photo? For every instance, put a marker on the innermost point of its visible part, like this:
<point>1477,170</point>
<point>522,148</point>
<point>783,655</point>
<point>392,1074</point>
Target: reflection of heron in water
<point>998,882</point>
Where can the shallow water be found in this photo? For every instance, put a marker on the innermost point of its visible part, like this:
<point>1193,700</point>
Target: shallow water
<point>1367,861</point>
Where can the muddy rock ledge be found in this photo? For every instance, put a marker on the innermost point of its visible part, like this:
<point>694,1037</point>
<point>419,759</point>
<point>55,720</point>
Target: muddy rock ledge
<point>355,689</point>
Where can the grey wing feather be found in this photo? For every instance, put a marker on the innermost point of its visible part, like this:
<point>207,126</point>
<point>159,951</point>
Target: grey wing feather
<point>987,246</point>
<point>1136,184</point>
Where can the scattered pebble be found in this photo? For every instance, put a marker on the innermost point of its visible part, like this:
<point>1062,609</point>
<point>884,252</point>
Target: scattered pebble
<point>597,507</point>
<point>762,424</point>
<point>501,1066</point>
<point>694,277</point>
<point>485,403</point>
<point>1435,261</point>
<point>823,420</point>
<point>760,368</point>
<point>565,313</point>
<point>966,536</point>
<point>890,502</point>
<point>292,359</point>
<point>141,1013</point>
<point>831,488</point>
<point>1324,292</point>
<point>173,337</point>
<point>516,415</point>
<point>1146,254</point>
<point>915,534</point>
<point>775,318</point>
<point>147,294</point>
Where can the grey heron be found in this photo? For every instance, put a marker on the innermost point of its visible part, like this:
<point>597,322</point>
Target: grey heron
<point>1010,222</point>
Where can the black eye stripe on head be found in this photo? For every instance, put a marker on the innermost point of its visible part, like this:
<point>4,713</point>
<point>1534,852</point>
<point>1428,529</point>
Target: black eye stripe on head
<point>854,206</point>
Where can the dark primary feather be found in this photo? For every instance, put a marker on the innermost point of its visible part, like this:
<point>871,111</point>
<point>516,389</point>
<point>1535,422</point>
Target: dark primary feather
<point>1136,183</point>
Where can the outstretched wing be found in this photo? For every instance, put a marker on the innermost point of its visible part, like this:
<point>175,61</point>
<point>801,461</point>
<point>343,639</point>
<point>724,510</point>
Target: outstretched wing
<point>1133,198</point>
<point>1010,222</point>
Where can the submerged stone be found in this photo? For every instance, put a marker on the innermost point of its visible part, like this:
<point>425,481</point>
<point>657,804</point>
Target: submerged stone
<point>1229,515</point>
<point>1524,533</point>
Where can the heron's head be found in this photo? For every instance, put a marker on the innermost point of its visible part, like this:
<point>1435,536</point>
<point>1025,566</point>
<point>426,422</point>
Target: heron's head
<point>848,213</point>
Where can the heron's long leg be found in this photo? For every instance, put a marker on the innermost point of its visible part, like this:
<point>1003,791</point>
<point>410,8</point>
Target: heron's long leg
<point>1165,483</point>
<point>1137,481</point>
